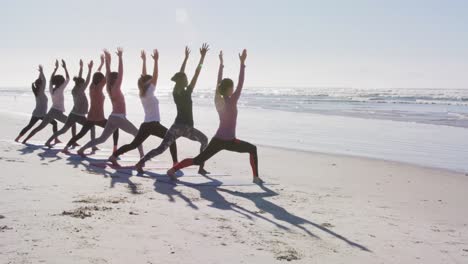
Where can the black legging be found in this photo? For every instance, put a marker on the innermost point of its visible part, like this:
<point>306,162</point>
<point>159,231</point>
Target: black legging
<point>147,129</point>
<point>33,121</point>
<point>235,145</point>
<point>88,126</point>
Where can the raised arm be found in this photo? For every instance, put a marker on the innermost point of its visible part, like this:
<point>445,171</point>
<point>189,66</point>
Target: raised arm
<point>53,75</point>
<point>55,70</point>
<point>187,54</point>
<point>102,63</point>
<point>118,82</point>
<point>80,74</point>
<point>220,77</point>
<point>155,56</point>
<point>88,77</point>
<point>107,57</point>
<point>143,58</point>
<point>240,83</point>
<point>67,76</point>
<point>42,76</point>
<point>203,50</point>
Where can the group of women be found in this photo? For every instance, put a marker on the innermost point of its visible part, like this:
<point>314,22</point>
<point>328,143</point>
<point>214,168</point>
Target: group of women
<point>225,101</point>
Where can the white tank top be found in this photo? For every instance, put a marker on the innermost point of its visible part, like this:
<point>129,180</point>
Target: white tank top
<point>150,105</point>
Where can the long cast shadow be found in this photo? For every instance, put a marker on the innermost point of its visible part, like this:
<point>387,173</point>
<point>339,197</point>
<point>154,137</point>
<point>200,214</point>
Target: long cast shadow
<point>282,214</point>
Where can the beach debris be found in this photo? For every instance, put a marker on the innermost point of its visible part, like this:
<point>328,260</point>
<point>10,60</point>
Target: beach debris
<point>288,255</point>
<point>1,216</point>
<point>132,213</point>
<point>85,211</point>
<point>328,225</point>
<point>4,227</point>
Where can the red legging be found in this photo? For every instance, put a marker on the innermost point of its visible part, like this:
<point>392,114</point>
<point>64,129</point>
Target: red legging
<point>217,145</point>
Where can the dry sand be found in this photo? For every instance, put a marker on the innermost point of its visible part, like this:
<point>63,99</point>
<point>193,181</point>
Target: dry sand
<point>317,208</point>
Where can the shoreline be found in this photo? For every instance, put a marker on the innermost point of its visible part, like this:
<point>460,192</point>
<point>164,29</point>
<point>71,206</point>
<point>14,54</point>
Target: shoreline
<point>315,208</point>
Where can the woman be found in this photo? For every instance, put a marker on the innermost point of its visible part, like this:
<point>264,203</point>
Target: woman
<point>80,103</point>
<point>225,137</point>
<point>38,88</point>
<point>96,110</point>
<point>117,118</point>
<point>151,125</point>
<point>57,85</point>
<point>183,124</point>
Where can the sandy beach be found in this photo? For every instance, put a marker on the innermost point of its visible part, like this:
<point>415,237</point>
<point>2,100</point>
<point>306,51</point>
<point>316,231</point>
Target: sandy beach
<point>315,208</point>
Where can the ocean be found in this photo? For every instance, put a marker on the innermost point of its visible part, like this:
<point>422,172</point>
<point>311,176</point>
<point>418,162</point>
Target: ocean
<point>427,127</point>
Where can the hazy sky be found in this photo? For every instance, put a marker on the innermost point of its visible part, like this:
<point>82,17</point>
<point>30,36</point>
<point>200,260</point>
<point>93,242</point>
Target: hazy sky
<point>358,43</point>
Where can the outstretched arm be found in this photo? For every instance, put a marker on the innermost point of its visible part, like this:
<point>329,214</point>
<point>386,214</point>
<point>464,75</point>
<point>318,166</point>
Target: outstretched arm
<point>240,83</point>
<point>155,56</point>
<point>220,77</point>
<point>88,77</point>
<point>143,58</point>
<point>53,75</point>
<point>80,74</point>
<point>203,50</point>
<point>55,70</point>
<point>67,76</point>
<point>42,76</point>
<point>107,56</point>
<point>120,77</point>
<point>102,63</point>
<point>187,54</point>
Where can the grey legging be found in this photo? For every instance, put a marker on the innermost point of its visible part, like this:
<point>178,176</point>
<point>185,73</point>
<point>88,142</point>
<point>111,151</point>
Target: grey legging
<point>71,121</point>
<point>53,114</point>
<point>176,131</point>
<point>114,123</point>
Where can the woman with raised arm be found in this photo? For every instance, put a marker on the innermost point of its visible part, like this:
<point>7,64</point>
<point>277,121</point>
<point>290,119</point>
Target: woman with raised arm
<point>225,137</point>
<point>183,124</point>
<point>117,119</point>
<point>80,103</point>
<point>96,110</point>
<point>38,89</point>
<point>57,85</point>
<point>151,125</point>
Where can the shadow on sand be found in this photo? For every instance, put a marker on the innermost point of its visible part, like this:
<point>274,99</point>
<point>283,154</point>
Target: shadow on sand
<point>211,193</point>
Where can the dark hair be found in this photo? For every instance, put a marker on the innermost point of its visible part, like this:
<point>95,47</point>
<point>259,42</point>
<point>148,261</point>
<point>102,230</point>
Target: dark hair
<point>35,89</point>
<point>78,80</point>
<point>57,80</point>
<point>112,78</point>
<point>143,84</point>
<point>179,77</point>
<point>35,86</point>
<point>97,78</point>
<point>224,86</point>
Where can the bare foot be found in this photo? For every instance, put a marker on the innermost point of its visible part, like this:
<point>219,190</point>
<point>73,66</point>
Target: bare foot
<point>112,159</point>
<point>81,153</point>
<point>65,150</point>
<point>25,141</point>
<point>171,174</point>
<point>94,149</point>
<point>47,144</point>
<point>17,139</point>
<point>257,180</point>
<point>203,172</point>
<point>139,168</point>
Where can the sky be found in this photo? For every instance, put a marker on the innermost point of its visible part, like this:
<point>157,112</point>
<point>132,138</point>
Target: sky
<point>358,44</point>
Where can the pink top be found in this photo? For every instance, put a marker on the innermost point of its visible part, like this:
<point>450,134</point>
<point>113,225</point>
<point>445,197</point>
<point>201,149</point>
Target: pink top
<point>116,95</point>
<point>96,111</point>
<point>227,111</point>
